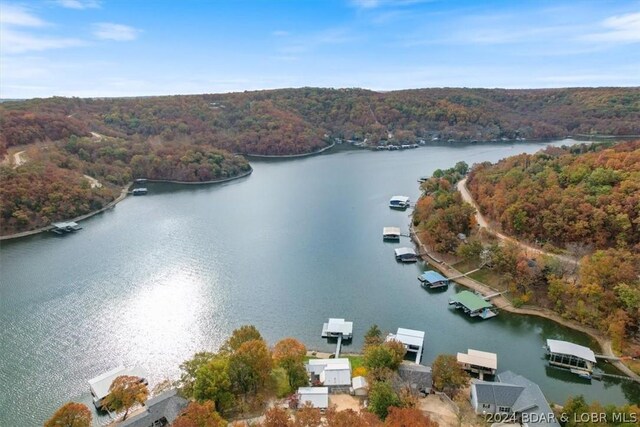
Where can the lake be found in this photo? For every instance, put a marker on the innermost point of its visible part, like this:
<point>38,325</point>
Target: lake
<point>174,272</point>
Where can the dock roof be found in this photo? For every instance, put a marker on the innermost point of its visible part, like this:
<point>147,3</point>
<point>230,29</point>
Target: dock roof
<point>404,251</point>
<point>479,358</point>
<point>403,199</point>
<point>100,384</point>
<point>565,347</point>
<point>433,277</point>
<point>339,326</point>
<point>408,337</point>
<point>65,224</point>
<point>470,300</point>
<point>391,231</point>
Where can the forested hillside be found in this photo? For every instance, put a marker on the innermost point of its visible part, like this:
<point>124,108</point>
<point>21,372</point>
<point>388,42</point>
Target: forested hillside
<point>586,194</point>
<point>292,121</point>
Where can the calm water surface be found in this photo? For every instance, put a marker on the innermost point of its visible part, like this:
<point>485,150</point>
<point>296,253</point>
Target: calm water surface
<point>163,276</point>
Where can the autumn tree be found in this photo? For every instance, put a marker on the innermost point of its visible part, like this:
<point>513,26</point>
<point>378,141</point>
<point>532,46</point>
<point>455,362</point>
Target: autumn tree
<point>351,418</point>
<point>249,366</point>
<point>125,392</point>
<point>448,376</point>
<point>381,397</point>
<point>307,416</point>
<point>408,417</point>
<point>276,417</point>
<point>71,414</point>
<point>212,383</point>
<point>199,415</point>
<point>189,369</point>
<point>373,336</point>
<point>289,354</point>
<point>240,336</point>
<point>381,360</point>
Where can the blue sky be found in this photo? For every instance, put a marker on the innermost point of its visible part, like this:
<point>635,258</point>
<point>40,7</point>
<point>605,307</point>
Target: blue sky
<point>154,47</point>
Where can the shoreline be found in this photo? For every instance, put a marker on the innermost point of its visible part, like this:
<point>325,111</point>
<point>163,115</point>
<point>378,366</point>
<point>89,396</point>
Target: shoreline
<point>290,156</point>
<point>123,194</point>
<point>503,303</point>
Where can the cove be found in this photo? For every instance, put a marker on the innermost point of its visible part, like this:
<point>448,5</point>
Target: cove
<point>174,272</point>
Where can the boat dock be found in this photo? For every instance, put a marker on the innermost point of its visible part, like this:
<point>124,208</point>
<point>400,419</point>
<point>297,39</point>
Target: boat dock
<point>339,329</point>
<point>433,280</point>
<point>406,255</point>
<point>412,340</point>
<point>474,305</point>
<point>61,228</point>
<point>391,233</point>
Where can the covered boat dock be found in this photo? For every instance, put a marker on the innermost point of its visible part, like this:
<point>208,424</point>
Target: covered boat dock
<point>406,255</point>
<point>99,385</point>
<point>433,279</point>
<point>399,202</point>
<point>65,227</point>
<point>473,305</point>
<point>479,362</point>
<point>391,233</point>
<point>337,328</point>
<point>577,358</point>
<point>412,340</point>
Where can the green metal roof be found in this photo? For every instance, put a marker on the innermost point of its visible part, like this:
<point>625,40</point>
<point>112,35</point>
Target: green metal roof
<point>470,300</point>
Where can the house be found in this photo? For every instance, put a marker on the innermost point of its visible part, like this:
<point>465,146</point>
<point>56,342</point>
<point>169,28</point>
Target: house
<point>412,340</point>
<point>318,397</point>
<point>359,386</point>
<point>330,372</point>
<point>416,378</point>
<point>513,395</point>
<point>578,358</point>
<point>161,410</point>
<point>479,362</point>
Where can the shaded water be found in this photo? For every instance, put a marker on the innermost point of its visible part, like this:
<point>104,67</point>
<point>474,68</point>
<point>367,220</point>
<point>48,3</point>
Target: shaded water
<point>163,276</point>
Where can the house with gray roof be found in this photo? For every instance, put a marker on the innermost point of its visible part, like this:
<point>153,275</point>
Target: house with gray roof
<point>515,395</point>
<point>416,378</point>
<point>160,411</point>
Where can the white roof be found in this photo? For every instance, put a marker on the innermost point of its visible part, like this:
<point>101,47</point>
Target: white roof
<point>339,326</point>
<point>65,224</point>
<point>391,230</point>
<point>327,362</point>
<point>359,382</point>
<point>564,347</point>
<point>338,367</point>
<point>313,390</point>
<point>408,337</point>
<point>403,199</point>
<point>100,384</point>
<point>405,251</point>
<point>479,358</point>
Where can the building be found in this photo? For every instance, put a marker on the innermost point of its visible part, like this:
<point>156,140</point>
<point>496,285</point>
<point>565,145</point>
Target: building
<point>579,359</point>
<point>160,411</point>
<point>473,305</point>
<point>330,372</point>
<point>399,202</point>
<point>433,279</point>
<point>416,378</point>
<point>406,255</point>
<point>478,362</point>
<point>335,328</point>
<point>359,386</point>
<point>318,397</point>
<point>99,385</point>
<point>513,395</point>
<point>391,233</point>
<point>412,340</point>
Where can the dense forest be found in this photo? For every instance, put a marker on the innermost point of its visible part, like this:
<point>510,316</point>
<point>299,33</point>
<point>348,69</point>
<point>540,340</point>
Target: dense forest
<point>587,194</point>
<point>293,121</point>
<point>585,197</point>
<point>52,186</point>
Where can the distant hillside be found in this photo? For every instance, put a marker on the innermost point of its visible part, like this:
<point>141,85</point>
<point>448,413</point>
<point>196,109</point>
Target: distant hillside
<point>293,121</point>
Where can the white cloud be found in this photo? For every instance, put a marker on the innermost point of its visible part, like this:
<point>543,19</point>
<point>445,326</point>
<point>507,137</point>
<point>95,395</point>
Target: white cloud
<point>19,16</point>
<point>79,4</point>
<point>118,32</point>
<point>280,33</point>
<point>618,29</point>
<point>12,41</point>
<point>373,4</point>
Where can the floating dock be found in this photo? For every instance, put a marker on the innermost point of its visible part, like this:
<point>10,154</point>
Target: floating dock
<point>433,280</point>
<point>406,255</point>
<point>579,359</point>
<point>399,202</point>
<point>65,227</point>
<point>139,191</point>
<point>473,305</point>
<point>339,329</point>
<point>391,233</point>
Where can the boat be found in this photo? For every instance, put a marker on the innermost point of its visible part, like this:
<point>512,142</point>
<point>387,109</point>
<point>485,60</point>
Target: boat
<point>139,191</point>
<point>399,202</point>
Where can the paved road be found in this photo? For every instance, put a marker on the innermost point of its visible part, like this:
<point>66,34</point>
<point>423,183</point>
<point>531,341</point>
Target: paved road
<point>482,222</point>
